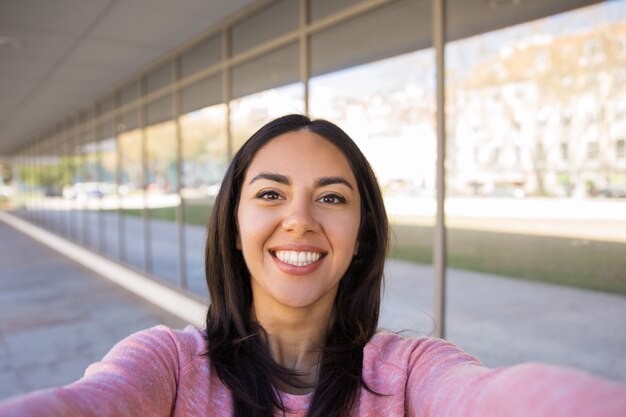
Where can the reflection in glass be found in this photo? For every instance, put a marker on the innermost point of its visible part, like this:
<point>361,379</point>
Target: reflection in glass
<point>54,189</point>
<point>204,163</point>
<point>108,185</point>
<point>533,118</point>
<point>250,112</point>
<point>78,193</point>
<point>69,167</point>
<point>69,193</point>
<point>277,19</point>
<point>386,105</point>
<point>132,197</point>
<point>324,8</point>
<point>201,56</point>
<point>45,178</point>
<point>88,191</point>
<point>159,78</point>
<point>162,198</point>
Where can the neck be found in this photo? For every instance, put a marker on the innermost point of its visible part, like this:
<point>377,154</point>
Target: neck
<point>295,338</point>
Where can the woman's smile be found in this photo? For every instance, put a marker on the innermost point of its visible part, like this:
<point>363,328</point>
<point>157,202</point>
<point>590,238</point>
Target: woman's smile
<point>297,260</point>
<point>298,219</point>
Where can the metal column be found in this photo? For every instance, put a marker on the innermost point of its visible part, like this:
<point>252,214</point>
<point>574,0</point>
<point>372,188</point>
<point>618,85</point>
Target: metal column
<point>439,253</point>
<point>304,52</point>
<point>180,209</point>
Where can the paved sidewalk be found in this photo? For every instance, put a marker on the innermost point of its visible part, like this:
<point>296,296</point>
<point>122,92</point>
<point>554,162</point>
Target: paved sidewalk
<point>57,316</point>
<point>504,321</point>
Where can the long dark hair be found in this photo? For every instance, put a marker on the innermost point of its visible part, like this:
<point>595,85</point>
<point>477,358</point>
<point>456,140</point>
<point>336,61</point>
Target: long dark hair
<point>237,346</point>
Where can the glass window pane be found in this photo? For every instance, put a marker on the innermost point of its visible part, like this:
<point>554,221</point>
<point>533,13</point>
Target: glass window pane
<point>57,181</point>
<point>160,110</point>
<point>129,94</point>
<point>36,183</point>
<point>77,188</point>
<point>88,191</point>
<point>162,199</point>
<point>202,94</point>
<point>400,27</point>
<point>324,8</point>
<point>277,68</point>
<point>108,185</point>
<point>48,179</point>
<point>159,78</point>
<point>39,180</point>
<point>85,116</point>
<point>249,113</point>
<point>279,18</point>
<point>532,115</point>
<point>108,104</point>
<point>128,121</point>
<point>205,159</point>
<point>70,192</point>
<point>201,56</point>
<point>132,197</point>
<point>19,175</point>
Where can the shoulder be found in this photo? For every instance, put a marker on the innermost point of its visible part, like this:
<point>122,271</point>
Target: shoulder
<point>403,351</point>
<point>188,340</point>
<point>159,345</point>
<point>410,353</point>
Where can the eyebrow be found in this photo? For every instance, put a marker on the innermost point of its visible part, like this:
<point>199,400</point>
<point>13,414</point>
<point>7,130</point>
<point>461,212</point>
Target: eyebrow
<point>283,179</point>
<point>321,182</point>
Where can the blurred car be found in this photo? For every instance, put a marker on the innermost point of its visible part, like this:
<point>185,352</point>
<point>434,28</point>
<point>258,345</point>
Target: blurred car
<point>53,192</point>
<point>612,192</point>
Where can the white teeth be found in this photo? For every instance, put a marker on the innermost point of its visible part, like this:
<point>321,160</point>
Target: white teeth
<point>297,258</point>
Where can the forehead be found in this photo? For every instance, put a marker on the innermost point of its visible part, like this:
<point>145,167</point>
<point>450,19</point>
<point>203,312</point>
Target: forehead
<point>301,153</point>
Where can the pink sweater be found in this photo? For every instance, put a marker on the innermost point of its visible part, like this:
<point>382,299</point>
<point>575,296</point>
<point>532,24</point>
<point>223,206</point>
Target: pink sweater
<point>162,372</point>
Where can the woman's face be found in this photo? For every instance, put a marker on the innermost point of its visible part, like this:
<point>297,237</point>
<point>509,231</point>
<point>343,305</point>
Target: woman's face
<point>298,219</point>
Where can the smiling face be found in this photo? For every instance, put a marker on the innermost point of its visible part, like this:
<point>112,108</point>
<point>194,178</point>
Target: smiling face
<point>298,219</point>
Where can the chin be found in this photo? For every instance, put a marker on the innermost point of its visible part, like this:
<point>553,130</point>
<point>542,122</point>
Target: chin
<point>304,299</point>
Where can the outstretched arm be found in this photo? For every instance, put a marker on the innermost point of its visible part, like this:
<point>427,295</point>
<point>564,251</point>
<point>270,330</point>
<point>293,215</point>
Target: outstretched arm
<point>138,377</point>
<point>446,382</point>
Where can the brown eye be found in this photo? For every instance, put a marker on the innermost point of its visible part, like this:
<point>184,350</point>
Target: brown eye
<point>332,199</point>
<point>268,195</point>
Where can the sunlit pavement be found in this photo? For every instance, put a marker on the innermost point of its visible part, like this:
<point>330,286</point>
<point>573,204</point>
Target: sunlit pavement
<point>57,317</point>
<point>504,321</point>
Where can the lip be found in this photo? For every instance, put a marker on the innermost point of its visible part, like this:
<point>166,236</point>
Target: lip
<point>298,248</point>
<point>294,269</point>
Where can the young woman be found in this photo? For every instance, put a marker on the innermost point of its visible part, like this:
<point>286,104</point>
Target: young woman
<point>294,264</point>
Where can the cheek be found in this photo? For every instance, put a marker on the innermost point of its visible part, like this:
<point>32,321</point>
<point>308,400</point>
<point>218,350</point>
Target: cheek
<point>254,227</point>
<point>344,234</point>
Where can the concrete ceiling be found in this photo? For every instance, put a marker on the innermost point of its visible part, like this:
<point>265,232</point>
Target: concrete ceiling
<point>73,50</point>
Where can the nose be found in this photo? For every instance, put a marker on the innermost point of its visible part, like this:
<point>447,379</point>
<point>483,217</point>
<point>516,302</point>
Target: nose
<point>300,217</point>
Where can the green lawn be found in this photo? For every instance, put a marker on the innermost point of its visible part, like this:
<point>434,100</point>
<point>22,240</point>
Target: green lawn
<point>197,214</point>
<point>573,262</point>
